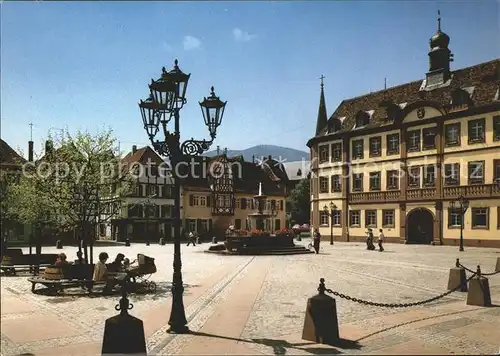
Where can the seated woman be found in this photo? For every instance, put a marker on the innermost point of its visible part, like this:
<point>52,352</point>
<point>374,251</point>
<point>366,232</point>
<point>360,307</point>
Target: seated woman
<point>117,264</point>
<point>61,260</point>
<point>79,258</point>
<point>100,269</point>
<point>101,273</point>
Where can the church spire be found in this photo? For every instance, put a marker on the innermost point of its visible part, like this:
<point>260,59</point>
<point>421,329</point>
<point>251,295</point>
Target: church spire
<point>322,121</point>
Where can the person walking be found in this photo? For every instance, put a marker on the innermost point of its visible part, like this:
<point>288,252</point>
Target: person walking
<point>381,238</point>
<point>191,239</point>
<point>316,240</point>
<point>369,240</point>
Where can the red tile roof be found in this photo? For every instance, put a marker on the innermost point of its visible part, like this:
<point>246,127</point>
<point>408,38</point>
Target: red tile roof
<point>484,78</point>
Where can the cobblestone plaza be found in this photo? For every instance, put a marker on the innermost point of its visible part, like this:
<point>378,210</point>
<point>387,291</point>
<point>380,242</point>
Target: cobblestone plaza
<point>256,305</point>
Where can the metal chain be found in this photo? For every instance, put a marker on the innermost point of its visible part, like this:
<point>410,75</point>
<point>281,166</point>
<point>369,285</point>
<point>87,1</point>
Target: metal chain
<point>394,305</point>
<point>471,271</point>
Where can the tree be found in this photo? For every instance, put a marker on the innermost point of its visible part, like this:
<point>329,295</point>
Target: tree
<point>300,202</point>
<point>74,187</point>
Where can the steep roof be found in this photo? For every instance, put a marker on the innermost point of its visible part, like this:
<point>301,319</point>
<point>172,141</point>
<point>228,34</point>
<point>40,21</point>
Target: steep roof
<point>322,115</point>
<point>246,175</point>
<point>141,155</point>
<point>8,156</point>
<point>481,82</point>
<point>293,168</point>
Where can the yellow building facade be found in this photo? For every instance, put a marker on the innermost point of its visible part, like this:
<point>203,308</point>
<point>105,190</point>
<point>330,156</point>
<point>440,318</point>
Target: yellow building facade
<point>398,159</point>
<point>198,197</point>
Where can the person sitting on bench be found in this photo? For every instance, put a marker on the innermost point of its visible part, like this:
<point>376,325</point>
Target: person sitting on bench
<point>79,258</point>
<point>62,260</point>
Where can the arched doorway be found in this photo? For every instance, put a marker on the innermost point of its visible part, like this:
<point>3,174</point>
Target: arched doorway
<point>420,227</point>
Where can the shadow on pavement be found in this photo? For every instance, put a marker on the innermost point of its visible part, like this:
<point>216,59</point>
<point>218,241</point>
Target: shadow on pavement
<point>280,346</point>
<point>162,291</point>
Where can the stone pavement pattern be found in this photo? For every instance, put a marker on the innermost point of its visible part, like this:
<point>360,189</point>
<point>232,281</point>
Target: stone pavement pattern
<point>256,305</point>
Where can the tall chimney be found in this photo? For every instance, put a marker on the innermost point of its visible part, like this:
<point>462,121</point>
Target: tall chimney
<point>134,149</point>
<point>30,151</point>
<point>253,158</point>
<point>218,150</point>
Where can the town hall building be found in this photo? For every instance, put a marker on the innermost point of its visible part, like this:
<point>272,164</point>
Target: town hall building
<point>400,158</point>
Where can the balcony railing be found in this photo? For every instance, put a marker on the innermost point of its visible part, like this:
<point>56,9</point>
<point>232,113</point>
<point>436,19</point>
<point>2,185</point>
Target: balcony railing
<point>472,191</point>
<point>370,197</point>
<point>421,194</point>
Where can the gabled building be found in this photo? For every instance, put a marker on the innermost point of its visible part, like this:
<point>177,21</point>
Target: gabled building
<point>398,158</point>
<point>223,195</point>
<point>146,212</point>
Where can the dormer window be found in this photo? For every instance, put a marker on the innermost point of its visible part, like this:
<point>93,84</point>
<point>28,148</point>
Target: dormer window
<point>460,97</point>
<point>334,125</point>
<point>362,119</point>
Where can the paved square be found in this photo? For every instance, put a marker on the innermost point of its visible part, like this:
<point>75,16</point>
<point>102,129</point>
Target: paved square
<point>256,305</point>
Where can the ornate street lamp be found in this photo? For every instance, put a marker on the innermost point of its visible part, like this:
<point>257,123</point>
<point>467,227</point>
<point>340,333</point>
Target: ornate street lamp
<point>331,212</point>
<point>460,207</point>
<point>167,98</point>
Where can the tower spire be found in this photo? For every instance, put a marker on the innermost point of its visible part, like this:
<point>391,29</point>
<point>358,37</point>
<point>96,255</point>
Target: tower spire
<point>322,121</point>
<point>439,21</point>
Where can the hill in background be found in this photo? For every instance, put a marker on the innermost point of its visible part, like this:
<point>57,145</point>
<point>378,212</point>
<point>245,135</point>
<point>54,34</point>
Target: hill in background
<point>281,154</point>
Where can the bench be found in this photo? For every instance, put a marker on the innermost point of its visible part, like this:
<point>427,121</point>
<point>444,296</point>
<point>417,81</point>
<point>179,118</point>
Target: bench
<point>15,259</point>
<point>56,279</point>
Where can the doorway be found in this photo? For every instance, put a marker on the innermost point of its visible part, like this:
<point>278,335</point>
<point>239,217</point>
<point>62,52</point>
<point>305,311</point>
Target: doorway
<point>420,227</point>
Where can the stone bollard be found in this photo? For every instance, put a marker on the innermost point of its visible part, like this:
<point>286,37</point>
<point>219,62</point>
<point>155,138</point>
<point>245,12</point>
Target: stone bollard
<point>497,268</point>
<point>147,242</point>
<point>162,241</point>
<point>59,244</point>
<point>457,278</point>
<point>479,290</point>
<point>123,333</point>
<point>320,323</point>
<point>299,237</point>
<point>214,240</point>
<point>127,242</point>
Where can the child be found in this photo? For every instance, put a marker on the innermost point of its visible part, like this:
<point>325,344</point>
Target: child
<point>381,240</point>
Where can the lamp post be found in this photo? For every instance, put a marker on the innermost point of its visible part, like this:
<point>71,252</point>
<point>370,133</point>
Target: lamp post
<point>331,212</point>
<point>167,97</point>
<point>460,206</point>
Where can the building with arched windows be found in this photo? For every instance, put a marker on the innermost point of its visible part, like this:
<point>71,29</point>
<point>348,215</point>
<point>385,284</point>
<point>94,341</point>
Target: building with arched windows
<point>396,159</point>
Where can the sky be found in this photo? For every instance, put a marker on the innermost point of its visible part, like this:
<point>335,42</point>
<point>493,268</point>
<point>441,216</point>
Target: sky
<point>85,65</point>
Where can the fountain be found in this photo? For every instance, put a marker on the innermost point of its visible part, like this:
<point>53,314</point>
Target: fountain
<point>258,241</point>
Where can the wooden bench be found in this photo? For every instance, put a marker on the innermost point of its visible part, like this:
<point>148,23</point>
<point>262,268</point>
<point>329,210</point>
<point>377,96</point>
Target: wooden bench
<point>14,260</point>
<point>56,279</point>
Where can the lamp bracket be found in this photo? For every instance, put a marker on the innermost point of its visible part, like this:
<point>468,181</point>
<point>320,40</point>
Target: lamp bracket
<point>194,147</point>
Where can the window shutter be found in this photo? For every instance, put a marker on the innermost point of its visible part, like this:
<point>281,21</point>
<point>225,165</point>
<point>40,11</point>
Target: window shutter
<point>243,203</point>
<point>209,224</point>
<point>208,201</point>
<point>281,205</point>
<point>190,200</point>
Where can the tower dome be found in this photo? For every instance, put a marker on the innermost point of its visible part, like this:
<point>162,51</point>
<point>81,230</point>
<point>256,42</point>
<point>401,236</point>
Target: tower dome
<point>440,39</point>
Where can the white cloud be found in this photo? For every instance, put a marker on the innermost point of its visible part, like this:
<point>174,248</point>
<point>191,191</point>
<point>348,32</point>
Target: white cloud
<point>191,43</point>
<point>242,36</point>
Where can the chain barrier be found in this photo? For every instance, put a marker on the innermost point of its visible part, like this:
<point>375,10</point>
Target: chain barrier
<point>478,272</point>
<point>393,305</point>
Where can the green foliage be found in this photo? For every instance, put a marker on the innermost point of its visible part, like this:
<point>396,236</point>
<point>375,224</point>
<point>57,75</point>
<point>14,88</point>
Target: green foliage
<point>299,202</point>
<point>77,184</point>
